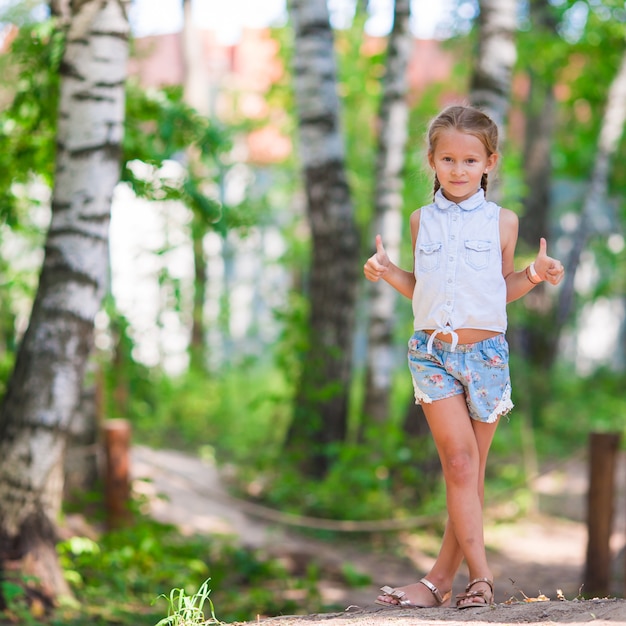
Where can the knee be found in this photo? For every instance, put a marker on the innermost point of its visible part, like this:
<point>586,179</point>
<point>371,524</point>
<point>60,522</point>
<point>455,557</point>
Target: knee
<point>460,467</point>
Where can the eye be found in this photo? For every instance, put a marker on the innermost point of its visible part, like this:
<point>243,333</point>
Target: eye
<point>471,161</point>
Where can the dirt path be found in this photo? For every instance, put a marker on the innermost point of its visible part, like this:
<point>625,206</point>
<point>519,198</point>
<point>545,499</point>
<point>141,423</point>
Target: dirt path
<point>573,613</point>
<point>533,556</point>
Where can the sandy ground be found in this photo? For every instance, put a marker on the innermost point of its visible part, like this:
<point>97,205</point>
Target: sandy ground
<point>530,558</point>
<point>607,611</point>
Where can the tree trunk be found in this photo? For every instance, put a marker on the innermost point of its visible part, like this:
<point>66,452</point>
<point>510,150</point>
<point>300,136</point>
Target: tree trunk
<point>320,415</point>
<point>490,87</point>
<point>540,111</point>
<point>394,118</point>
<point>533,340</point>
<point>81,463</point>
<point>197,344</point>
<point>45,386</point>
<point>197,91</point>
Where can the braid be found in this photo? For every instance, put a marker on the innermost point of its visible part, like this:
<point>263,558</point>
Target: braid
<point>484,182</point>
<point>436,186</point>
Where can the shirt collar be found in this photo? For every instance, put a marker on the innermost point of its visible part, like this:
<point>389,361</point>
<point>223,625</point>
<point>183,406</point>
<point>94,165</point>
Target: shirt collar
<point>471,203</point>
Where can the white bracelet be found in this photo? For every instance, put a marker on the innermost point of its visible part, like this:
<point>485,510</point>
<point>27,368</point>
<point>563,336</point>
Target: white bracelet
<point>533,273</point>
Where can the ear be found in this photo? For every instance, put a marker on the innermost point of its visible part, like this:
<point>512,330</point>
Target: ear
<point>431,162</point>
<point>492,160</point>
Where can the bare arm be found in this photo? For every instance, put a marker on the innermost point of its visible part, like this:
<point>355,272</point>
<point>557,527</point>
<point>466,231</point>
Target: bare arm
<point>518,284</point>
<point>380,266</point>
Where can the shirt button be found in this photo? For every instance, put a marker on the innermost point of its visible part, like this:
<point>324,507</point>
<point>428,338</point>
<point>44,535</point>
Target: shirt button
<point>449,280</point>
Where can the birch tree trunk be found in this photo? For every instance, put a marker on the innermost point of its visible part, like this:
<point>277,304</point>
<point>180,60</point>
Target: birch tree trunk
<point>490,87</point>
<point>321,405</point>
<point>390,158</point>
<point>45,386</point>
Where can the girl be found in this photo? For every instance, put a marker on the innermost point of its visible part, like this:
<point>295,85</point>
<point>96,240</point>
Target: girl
<point>462,279</point>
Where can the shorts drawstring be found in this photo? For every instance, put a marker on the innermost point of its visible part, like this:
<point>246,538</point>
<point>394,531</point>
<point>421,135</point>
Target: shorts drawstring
<point>445,330</point>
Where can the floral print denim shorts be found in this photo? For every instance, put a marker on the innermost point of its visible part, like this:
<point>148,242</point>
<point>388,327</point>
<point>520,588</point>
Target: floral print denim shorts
<point>478,370</point>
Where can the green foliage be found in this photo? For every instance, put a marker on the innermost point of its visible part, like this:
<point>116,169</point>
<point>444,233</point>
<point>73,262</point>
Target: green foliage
<point>238,416</point>
<point>119,578</point>
<point>610,256</point>
<point>359,87</point>
<point>581,63</point>
<point>293,341</point>
<point>131,562</point>
<point>28,110</point>
<point>386,476</point>
<point>161,127</point>
<point>578,406</point>
<point>19,605</point>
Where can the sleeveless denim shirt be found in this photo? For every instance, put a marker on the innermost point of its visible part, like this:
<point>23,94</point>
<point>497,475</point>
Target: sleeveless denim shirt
<point>458,267</point>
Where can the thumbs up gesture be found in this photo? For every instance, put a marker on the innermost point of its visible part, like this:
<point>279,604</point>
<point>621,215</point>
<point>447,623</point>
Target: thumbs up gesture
<point>547,268</point>
<point>378,264</point>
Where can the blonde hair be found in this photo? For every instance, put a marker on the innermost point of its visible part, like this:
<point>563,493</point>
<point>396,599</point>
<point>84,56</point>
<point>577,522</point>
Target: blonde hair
<point>465,119</point>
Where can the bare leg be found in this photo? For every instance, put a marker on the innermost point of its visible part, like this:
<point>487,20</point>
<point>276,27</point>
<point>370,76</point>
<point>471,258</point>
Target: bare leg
<point>463,446</point>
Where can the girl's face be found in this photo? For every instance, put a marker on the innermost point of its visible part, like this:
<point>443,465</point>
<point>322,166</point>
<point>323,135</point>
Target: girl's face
<point>460,160</point>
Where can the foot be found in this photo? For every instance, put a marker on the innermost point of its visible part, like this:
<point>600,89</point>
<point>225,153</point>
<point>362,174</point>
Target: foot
<point>422,595</point>
<point>478,593</point>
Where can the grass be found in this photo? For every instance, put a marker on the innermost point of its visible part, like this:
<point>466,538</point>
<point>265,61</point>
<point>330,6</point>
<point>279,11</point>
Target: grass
<point>188,610</point>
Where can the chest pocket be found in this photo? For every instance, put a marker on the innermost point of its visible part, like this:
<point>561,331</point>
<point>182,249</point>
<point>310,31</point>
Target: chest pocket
<point>477,253</point>
<point>429,256</point>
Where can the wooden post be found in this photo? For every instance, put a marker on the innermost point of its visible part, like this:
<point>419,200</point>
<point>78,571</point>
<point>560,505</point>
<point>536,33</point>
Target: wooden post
<point>117,472</point>
<point>603,449</point>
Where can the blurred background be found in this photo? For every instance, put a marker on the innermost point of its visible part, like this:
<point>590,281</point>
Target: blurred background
<point>264,145</point>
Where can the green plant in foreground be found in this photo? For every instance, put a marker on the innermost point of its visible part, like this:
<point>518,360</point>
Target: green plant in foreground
<point>186,610</point>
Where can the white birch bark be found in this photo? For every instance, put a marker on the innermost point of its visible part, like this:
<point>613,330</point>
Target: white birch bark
<point>390,159</point>
<point>497,54</point>
<point>45,387</point>
<point>322,398</point>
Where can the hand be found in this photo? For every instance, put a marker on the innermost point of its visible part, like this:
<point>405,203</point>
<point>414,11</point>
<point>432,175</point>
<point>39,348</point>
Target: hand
<point>547,268</point>
<point>378,264</point>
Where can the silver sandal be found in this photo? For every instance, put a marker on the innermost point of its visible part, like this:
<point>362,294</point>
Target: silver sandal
<point>485,595</point>
<point>400,597</point>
